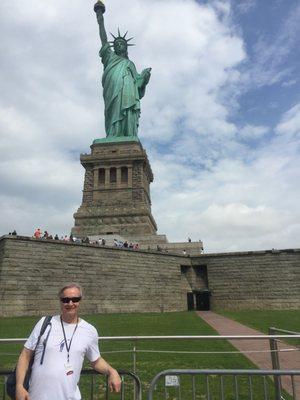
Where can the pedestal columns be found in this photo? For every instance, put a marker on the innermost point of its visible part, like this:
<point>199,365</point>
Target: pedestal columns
<point>116,206</point>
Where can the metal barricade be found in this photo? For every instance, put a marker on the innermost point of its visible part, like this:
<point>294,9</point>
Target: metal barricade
<point>275,356</point>
<point>136,352</point>
<point>211,384</point>
<point>97,387</point>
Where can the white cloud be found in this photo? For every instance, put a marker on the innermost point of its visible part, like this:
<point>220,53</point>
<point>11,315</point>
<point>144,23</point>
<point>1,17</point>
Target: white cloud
<point>245,6</point>
<point>290,122</point>
<point>200,62</point>
<point>253,132</point>
<point>26,216</point>
<point>290,82</point>
<point>247,201</point>
<point>268,64</point>
<point>209,184</point>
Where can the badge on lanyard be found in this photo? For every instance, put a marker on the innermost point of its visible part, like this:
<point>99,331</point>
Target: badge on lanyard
<point>69,369</point>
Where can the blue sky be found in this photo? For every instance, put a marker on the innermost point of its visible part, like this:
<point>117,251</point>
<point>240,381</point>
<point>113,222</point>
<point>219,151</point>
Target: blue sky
<point>270,35</point>
<point>220,119</point>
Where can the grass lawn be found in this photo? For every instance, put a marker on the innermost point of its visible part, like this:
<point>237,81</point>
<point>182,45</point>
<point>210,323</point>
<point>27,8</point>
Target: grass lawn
<point>148,364</point>
<point>262,320</point>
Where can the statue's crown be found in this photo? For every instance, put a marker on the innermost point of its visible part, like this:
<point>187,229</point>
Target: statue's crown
<point>120,37</point>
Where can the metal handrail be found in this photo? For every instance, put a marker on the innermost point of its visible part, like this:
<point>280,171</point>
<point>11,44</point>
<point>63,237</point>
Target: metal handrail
<point>291,372</point>
<point>182,337</point>
<point>284,330</point>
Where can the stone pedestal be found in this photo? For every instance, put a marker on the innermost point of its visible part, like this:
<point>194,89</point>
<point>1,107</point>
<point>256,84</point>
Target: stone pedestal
<point>116,193</point>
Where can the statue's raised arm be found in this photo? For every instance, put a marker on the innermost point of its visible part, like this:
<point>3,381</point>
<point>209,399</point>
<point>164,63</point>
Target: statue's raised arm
<point>123,87</point>
<point>99,9</point>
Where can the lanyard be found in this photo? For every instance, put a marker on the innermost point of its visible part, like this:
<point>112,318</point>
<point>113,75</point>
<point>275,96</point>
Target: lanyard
<point>68,347</point>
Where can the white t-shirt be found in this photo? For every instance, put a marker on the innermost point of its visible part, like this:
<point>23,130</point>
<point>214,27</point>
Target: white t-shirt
<point>52,379</point>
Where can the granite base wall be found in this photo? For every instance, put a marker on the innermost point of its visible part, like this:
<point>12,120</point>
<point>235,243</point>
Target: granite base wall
<point>122,280</point>
<point>114,280</point>
<point>253,280</point>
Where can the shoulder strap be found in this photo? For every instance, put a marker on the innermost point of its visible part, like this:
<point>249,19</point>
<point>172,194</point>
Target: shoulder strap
<point>47,321</point>
<point>43,328</point>
<point>45,324</point>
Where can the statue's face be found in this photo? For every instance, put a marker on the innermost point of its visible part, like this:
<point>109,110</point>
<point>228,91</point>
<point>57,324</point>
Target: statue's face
<point>120,47</point>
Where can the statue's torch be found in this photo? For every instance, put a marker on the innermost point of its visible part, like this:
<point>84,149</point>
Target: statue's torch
<point>99,6</point>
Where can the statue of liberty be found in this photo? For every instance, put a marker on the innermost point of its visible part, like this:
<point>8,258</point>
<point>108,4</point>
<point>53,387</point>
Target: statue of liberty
<point>123,87</point>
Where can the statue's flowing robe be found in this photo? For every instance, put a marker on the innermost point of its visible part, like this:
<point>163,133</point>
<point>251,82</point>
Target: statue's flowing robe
<point>122,90</point>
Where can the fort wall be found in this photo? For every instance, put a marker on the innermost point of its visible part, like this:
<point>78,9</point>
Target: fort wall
<point>123,280</point>
<point>115,280</point>
<point>253,280</point>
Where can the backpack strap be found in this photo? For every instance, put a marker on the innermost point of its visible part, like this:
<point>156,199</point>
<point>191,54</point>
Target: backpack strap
<point>46,322</point>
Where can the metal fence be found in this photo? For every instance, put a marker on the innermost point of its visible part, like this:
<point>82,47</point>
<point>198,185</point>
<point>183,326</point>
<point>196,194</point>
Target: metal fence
<point>94,386</point>
<point>132,389</point>
<point>199,384</point>
<point>219,385</point>
<point>275,353</point>
<point>134,351</point>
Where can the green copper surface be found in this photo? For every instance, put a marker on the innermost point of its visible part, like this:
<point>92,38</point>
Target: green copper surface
<point>116,139</point>
<point>123,86</point>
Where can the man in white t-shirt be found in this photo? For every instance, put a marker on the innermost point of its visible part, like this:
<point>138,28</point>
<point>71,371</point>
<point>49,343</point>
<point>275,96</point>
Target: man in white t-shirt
<point>69,339</point>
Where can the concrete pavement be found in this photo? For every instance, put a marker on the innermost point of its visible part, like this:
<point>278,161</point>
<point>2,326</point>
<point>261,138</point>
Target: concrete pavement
<point>261,358</point>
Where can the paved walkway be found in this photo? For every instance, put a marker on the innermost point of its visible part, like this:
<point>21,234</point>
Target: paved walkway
<point>287,360</point>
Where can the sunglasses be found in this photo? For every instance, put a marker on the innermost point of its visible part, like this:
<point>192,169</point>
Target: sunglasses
<point>67,300</point>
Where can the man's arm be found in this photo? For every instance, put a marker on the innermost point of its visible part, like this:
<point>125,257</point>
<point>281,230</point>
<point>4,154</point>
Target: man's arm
<point>114,380</point>
<point>22,366</point>
<point>100,19</point>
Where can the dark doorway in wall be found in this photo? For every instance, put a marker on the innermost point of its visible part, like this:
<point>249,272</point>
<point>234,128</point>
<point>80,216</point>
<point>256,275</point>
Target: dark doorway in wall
<point>198,300</point>
<point>202,300</point>
<point>190,301</point>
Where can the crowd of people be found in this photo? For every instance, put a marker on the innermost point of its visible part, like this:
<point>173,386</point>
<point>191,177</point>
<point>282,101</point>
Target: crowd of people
<point>38,234</point>
<point>126,245</point>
